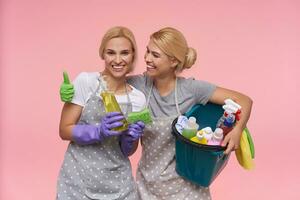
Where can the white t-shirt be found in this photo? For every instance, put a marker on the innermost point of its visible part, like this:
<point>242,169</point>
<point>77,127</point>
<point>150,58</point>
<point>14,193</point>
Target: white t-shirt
<point>86,84</point>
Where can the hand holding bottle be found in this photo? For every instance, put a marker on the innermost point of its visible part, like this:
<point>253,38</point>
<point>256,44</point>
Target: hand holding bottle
<point>89,134</point>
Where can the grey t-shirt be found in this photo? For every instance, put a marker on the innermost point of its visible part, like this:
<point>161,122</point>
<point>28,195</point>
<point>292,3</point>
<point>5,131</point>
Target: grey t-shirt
<point>189,92</point>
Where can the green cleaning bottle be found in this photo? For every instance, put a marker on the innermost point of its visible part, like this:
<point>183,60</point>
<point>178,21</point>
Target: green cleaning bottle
<point>191,128</point>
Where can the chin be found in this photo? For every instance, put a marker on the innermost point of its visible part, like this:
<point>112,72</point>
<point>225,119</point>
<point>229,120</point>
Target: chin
<point>150,73</point>
<point>118,74</point>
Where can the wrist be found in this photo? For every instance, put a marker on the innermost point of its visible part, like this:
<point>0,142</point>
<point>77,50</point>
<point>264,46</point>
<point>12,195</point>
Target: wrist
<point>86,134</point>
<point>239,126</point>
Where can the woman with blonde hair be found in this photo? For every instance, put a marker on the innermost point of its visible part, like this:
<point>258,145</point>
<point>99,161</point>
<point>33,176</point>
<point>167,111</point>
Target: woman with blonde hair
<point>96,164</point>
<point>168,96</point>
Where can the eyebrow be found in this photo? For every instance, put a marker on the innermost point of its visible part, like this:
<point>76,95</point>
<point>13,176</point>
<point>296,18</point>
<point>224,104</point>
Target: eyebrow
<point>114,50</point>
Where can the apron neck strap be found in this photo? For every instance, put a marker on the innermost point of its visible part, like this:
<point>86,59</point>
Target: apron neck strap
<point>176,99</point>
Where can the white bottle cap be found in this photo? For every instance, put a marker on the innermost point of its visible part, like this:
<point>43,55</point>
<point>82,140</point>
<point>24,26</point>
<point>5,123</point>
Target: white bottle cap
<point>207,130</point>
<point>229,108</point>
<point>200,135</point>
<point>218,134</point>
<point>192,120</point>
<point>208,133</point>
<point>231,102</point>
<point>192,123</point>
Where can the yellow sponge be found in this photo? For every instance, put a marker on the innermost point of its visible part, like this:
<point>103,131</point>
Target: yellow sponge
<point>243,153</point>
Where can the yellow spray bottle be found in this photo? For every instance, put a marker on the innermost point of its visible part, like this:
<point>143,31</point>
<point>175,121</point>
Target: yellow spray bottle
<point>110,104</point>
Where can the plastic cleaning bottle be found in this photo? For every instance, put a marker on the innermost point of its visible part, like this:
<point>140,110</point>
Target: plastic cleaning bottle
<point>228,110</point>
<point>237,108</point>
<point>226,122</point>
<point>111,105</point>
<point>217,137</point>
<point>199,138</point>
<point>181,123</point>
<point>229,120</point>
<point>191,128</point>
<point>232,103</point>
<point>207,133</point>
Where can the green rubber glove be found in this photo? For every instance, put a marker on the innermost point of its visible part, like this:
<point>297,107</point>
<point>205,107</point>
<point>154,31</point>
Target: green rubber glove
<point>66,89</point>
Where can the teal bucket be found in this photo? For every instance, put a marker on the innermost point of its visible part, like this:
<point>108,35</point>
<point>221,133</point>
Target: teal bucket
<point>199,163</point>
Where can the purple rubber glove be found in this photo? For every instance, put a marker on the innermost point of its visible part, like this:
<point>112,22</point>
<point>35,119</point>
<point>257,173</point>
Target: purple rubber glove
<point>132,135</point>
<point>89,134</point>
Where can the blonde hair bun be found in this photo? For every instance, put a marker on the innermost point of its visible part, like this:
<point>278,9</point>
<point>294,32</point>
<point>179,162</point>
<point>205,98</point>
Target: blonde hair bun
<point>190,58</point>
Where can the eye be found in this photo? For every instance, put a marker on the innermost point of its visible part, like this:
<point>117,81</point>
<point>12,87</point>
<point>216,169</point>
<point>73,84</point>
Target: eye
<point>110,52</point>
<point>125,53</point>
<point>155,55</point>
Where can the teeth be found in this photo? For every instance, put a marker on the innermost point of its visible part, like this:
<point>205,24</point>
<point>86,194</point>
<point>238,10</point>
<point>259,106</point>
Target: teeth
<point>118,66</point>
<point>151,67</point>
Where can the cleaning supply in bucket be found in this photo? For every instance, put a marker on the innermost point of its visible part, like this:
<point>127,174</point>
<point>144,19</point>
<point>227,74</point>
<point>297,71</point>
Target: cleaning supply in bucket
<point>207,133</point>
<point>181,123</point>
<point>217,137</point>
<point>110,103</point>
<point>228,123</point>
<point>199,138</point>
<point>208,137</point>
<point>231,114</point>
<point>191,128</point>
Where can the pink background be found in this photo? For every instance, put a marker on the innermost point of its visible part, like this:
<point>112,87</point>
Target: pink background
<point>253,47</point>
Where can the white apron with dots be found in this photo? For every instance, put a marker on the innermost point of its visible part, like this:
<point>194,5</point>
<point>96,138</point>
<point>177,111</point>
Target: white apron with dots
<point>156,175</point>
<point>97,171</point>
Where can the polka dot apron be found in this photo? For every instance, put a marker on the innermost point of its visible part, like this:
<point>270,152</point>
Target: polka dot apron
<point>156,175</point>
<point>97,171</point>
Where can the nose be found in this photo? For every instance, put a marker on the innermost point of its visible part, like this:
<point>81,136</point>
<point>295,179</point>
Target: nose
<point>118,59</point>
<point>147,57</point>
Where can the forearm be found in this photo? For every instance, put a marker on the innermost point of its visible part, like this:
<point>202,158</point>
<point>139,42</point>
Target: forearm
<point>246,104</point>
<point>69,118</point>
<point>65,132</point>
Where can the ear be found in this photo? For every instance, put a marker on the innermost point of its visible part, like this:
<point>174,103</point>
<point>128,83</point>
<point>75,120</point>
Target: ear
<point>174,62</point>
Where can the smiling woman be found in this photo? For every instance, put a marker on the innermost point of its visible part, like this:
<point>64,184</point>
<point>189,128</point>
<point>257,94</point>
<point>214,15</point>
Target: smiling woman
<point>96,151</point>
<point>169,95</point>
<point>119,44</point>
<point>118,57</point>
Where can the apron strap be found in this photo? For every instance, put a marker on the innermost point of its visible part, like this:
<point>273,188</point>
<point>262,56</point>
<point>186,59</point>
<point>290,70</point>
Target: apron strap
<point>176,99</point>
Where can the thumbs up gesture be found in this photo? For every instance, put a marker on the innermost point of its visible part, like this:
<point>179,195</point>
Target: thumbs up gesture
<point>66,89</point>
